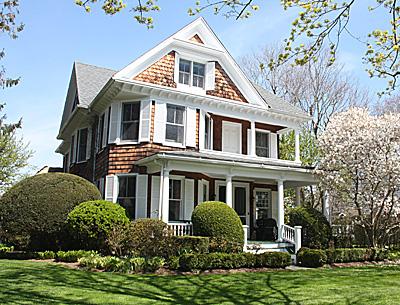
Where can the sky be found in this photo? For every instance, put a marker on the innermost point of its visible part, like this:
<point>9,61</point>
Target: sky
<point>56,35</point>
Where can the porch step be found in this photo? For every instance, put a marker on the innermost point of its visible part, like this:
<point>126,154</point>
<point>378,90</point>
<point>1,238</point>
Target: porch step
<point>261,247</point>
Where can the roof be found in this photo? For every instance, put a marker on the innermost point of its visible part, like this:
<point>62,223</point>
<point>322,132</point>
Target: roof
<point>90,80</point>
<point>277,103</point>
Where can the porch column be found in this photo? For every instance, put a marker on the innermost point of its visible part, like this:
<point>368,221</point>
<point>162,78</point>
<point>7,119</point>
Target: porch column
<point>326,209</point>
<point>281,210</point>
<point>165,196</point>
<point>298,195</point>
<point>229,190</point>
<point>296,145</point>
<point>253,139</point>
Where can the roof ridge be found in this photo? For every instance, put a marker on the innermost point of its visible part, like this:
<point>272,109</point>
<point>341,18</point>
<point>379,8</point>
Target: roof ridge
<point>95,66</point>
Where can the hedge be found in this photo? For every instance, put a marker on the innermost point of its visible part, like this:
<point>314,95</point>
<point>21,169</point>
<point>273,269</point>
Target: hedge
<point>188,244</point>
<point>191,262</point>
<point>312,258</point>
<point>221,224</point>
<point>72,256</point>
<point>34,211</point>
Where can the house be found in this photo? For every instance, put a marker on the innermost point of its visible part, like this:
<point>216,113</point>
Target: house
<point>180,125</point>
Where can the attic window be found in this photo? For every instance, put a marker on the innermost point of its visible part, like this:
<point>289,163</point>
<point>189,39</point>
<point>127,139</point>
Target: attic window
<point>191,73</point>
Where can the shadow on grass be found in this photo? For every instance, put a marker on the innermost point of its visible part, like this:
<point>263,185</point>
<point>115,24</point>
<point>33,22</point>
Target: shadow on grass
<point>37,283</point>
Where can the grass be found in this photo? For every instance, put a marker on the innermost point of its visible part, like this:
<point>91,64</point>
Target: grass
<point>24,282</point>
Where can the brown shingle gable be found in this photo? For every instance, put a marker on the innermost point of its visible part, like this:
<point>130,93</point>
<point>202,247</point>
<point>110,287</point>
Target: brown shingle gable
<point>196,38</point>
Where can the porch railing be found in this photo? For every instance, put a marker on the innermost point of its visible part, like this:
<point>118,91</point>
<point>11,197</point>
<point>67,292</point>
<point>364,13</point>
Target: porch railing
<point>292,235</point>
<point>181,229</point>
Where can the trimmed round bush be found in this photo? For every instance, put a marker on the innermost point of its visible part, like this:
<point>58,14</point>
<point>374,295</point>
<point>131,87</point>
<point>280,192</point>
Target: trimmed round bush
<point>221,224</point>
<point>316,231</point>
<point>312,258</point>
<point>91,222</point>
<point>33,212</point>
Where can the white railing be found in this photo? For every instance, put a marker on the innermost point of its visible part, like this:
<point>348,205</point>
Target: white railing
<point>181,229</point>
<point>292,235</point>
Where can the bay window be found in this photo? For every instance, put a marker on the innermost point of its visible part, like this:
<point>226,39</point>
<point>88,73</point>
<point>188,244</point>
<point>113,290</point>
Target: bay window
<point>262,144</point>
<point>175,199</point>
<point>175,127</point>
<point>127,194</point>
<point>130,121</point>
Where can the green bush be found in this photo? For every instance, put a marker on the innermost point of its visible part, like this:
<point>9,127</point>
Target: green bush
<point>188,244</point>
<point>173,263</point>
<point>348,255</point>
<point>154,263</point>
<point>46,255</point>
<point>5,248</point>
<point>91,222</point>
<point>190,262</point>
<point>72,256</point>
<point>147,238</point>
<point>312,258</point>
<point>34,211</point>
<point>221,224</point>
<point>18,255</point>
<point>316,231</point>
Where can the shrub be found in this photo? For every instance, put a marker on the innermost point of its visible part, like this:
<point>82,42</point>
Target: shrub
<point>188,244</point>
<point>154,263</point>
<point>348,255</point>
<point>316,231</point>
<point>147,238</point>
<point>18,255</point>
<point>34,211</point>
<point>4,248</point>
<point>221,224</point>
<point>91,222</point>
<point>173,263</point>
<point>72,256</point>
<point>190,262</point>
<point>311,258</point>
<point>46,255</point>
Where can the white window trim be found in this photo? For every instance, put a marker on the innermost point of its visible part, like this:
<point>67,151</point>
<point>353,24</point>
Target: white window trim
<point>210,131</point>
<point>172,143</point>
<point>269,143</point>
<point>124,142</point>
<point>190,87</point>
<point>116,187</point>
<point>77,145</point>
<point>240,137</point>
<point>182,210</point>
<point>260,189</point>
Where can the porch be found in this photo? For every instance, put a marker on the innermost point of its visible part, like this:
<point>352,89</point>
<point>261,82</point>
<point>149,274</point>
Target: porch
<point>253,187</point>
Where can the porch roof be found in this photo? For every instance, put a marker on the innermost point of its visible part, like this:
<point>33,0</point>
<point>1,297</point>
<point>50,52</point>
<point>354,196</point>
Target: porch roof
<point>222,164</point>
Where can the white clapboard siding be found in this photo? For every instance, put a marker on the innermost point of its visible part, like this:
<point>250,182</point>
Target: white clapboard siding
<point>190,127</point>
<point>155,197</point>
<point>210,76</point>
<point>105,129</point>
<point>145,121</point>
<point>176,68</point>
<point>141,196</point>
<point>88,143</point>
<point>115,116</point>
<point>111,189</point>
<point>160,117</point>
<point>274,145</point>
<point>202,127</point>
<point>189,199</point>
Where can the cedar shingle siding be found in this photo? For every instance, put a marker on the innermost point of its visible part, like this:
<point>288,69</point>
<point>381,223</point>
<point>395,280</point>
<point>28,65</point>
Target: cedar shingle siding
<point>161,73</point>
<point>196,38</point>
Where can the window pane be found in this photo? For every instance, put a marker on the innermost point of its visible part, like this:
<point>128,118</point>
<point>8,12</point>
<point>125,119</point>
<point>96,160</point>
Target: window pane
<point>184,78</point>
<point>179,115</point>
<point>184,66</point>
<point>130,131</point>
<point>262,146</point>
<point>175,189</point>
<point>181,134</point>
<point>222,193</point>
<point>174,210</point>
<point>129,205</point>
<point>126,112</point>
<point>127,194</point>
<point>171,132</point>
<point>83,135</point>
<point>131,187</point>
<point>170,114</point>
<point>135,111</point>
<point>198,69</point>
<point>122,182</point>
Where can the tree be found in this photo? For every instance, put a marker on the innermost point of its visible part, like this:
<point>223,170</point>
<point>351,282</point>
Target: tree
<point>360,164</point>
<point>320,23</point>
<point>388,105</point>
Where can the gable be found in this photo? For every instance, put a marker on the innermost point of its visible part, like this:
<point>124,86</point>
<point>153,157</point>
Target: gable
<point>196,38</point>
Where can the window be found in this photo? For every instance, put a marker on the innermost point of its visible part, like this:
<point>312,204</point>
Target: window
<point>262,204</point>
<point>127,194</point>
<point>100,132</point>
<point>205,192</point>
<point>175,199</point>
<point>191,73</point>
<point>130,121</point>
<point>208,132</point>
<point>82,144</point>
<point>72,153</point>
<point>175,129</point>
<point>262,144</point>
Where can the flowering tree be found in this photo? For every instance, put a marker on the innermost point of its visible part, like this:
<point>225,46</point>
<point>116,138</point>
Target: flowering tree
<point>361,165</point>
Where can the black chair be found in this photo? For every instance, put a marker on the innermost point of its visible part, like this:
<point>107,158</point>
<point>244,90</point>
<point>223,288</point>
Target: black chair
<point>267,230</point>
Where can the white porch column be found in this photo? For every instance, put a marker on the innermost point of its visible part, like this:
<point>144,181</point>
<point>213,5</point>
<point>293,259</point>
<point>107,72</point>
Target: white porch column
<point>326,209</point>
<point>296,145</point>
<point>298,195</point>
<point>281,210</point>
<point>253,138</point>
<point>229,191</point>
<point>165,196</point>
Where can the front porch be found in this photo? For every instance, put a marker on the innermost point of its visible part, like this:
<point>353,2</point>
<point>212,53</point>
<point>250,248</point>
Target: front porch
<point>254,188</point>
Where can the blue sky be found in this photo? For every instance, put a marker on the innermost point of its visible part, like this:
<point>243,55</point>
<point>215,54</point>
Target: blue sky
<point>58,34</point>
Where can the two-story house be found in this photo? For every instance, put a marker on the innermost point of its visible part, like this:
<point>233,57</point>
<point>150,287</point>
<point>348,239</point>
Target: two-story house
<point>180,125</point>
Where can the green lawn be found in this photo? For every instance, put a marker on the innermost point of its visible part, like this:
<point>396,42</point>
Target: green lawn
<point>43,283</point>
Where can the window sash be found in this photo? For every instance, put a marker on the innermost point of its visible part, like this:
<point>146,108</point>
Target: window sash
<point>130,120</point>
<point>191,73</point>
<point>82,144</point>
<point>175,125</point>
<point>175,200</point>
<point>262,149</point>
<point>198,77</point>
<point>127,194</point>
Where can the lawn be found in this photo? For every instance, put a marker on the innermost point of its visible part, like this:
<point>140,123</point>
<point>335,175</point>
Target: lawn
<point>44,283</point>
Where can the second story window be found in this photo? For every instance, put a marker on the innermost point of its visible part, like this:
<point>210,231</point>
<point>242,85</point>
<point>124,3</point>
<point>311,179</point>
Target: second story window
<point>100,132</point>
<point>191,73</point>
<point>82,144</point>
<point>262,144</point>
<point>130,121</point>
<point>175,127</point>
